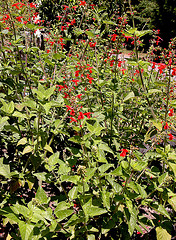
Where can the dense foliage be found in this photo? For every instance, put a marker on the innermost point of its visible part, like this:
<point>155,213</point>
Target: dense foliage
<point>87,141</point>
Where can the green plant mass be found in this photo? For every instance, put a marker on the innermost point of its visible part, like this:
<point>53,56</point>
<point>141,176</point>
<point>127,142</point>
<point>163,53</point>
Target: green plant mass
<point>87,128</point>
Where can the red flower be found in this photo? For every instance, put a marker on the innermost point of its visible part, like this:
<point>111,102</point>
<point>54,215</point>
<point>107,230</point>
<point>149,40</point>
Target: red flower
<point>16,5</point>
<point>114,37</point>
<point>66,95</point>
<point>111,63</point>
<point>77,73</point>
<point>81,115</point>
<point>174,71</point>
<point>79,96</point>
<point>65,7</point>
<point>68,108</point>
<point>32,5</point>
<point>83,3</point>
<point>171,112</point>
<point>72,112</point>
<point>161,67</point>
<point>166,126</point>
<point>170,136</point>
<point>128,37</point>
<point>124,152</point>
<point>87,114</point>
<point>73,120</point>
<point>19,19</point>
<point>92,44</point>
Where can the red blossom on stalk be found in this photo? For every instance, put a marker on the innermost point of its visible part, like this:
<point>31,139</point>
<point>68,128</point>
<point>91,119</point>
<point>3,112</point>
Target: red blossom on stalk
<point>170,136</point>
<point>73,120</point>
<point>88,114</point>
<point>174,71</point>
<point>65,7</point>
<point>83,3</point>
<point>171,112</point>
<point>32,5</point>
<point>127,37</point>
<point>161,67</point>
<point>113,38</point>
<point>72,112</point>
<point>124,152</point>
<point>81,115</point>
<point>91,44</point>
<point>166,126</point>
<point>77,73</point>
<point>79,96</point>
<point>19,19</point>
<point>18,5</point>
<point>75,81</point>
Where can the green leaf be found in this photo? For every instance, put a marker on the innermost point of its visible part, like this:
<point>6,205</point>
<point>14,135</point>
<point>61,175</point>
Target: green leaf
<point>172,202</point>
<point>109,22</point>
<point>138,165</point>
<point>104,167</point>
<point>4,169</point>
<point>19,115</point>
<point>157,124</point>
<point>106,198</point>
<point>73,193</point>
<point>162,234</point>
<point>132,222</point>
<point>74,179</point>
<point>49,92</point>
<point>8,108</point>
<point>61,206</point>
<point>22,141</point>
<point>172,167</point>
<point>41,195</point>
<point>151,91</point>
<point>27,149</point>
<point>58,56</point>
<point>62,214</point>
<point>163,178</point>
<point>3,121</point>
<point>48,148</point>
<point>90,34</point>
<point>129,96</point>
<point>25,230</point>
<point>161,210</point>
<point>105,147</point>
<point>91,237</point>
<point>117,187</point>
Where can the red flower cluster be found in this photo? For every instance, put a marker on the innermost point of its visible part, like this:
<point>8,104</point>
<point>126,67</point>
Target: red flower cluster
<point>124,152</point>
<point>18,5</point>
<point>114,37</point>
<point>171,112</point>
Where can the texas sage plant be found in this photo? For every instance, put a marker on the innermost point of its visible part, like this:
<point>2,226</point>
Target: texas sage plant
<point>87,133</point>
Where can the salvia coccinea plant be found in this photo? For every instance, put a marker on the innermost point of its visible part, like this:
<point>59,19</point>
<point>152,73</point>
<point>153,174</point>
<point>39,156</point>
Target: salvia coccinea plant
<point>88,133</point>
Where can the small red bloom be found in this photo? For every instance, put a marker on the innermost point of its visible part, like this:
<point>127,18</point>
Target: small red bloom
<point>73,120</point>
<point>77,73</point>
<point>81,115</point>
<point>114,37</point>
<point>83,3</point>
<point>88,114</point>
<point>171,112</point>
<point>92,44</point>
<point>124,152</point>
<point>79,96</point>
<point>166,126</point>
<point>170,136</point>
<point>19,19</point>
<point>174,71</point>
<point>32,5</point>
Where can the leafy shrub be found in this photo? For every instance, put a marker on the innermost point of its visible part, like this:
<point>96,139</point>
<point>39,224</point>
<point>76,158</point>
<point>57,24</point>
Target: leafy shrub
<point>87,136</point>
